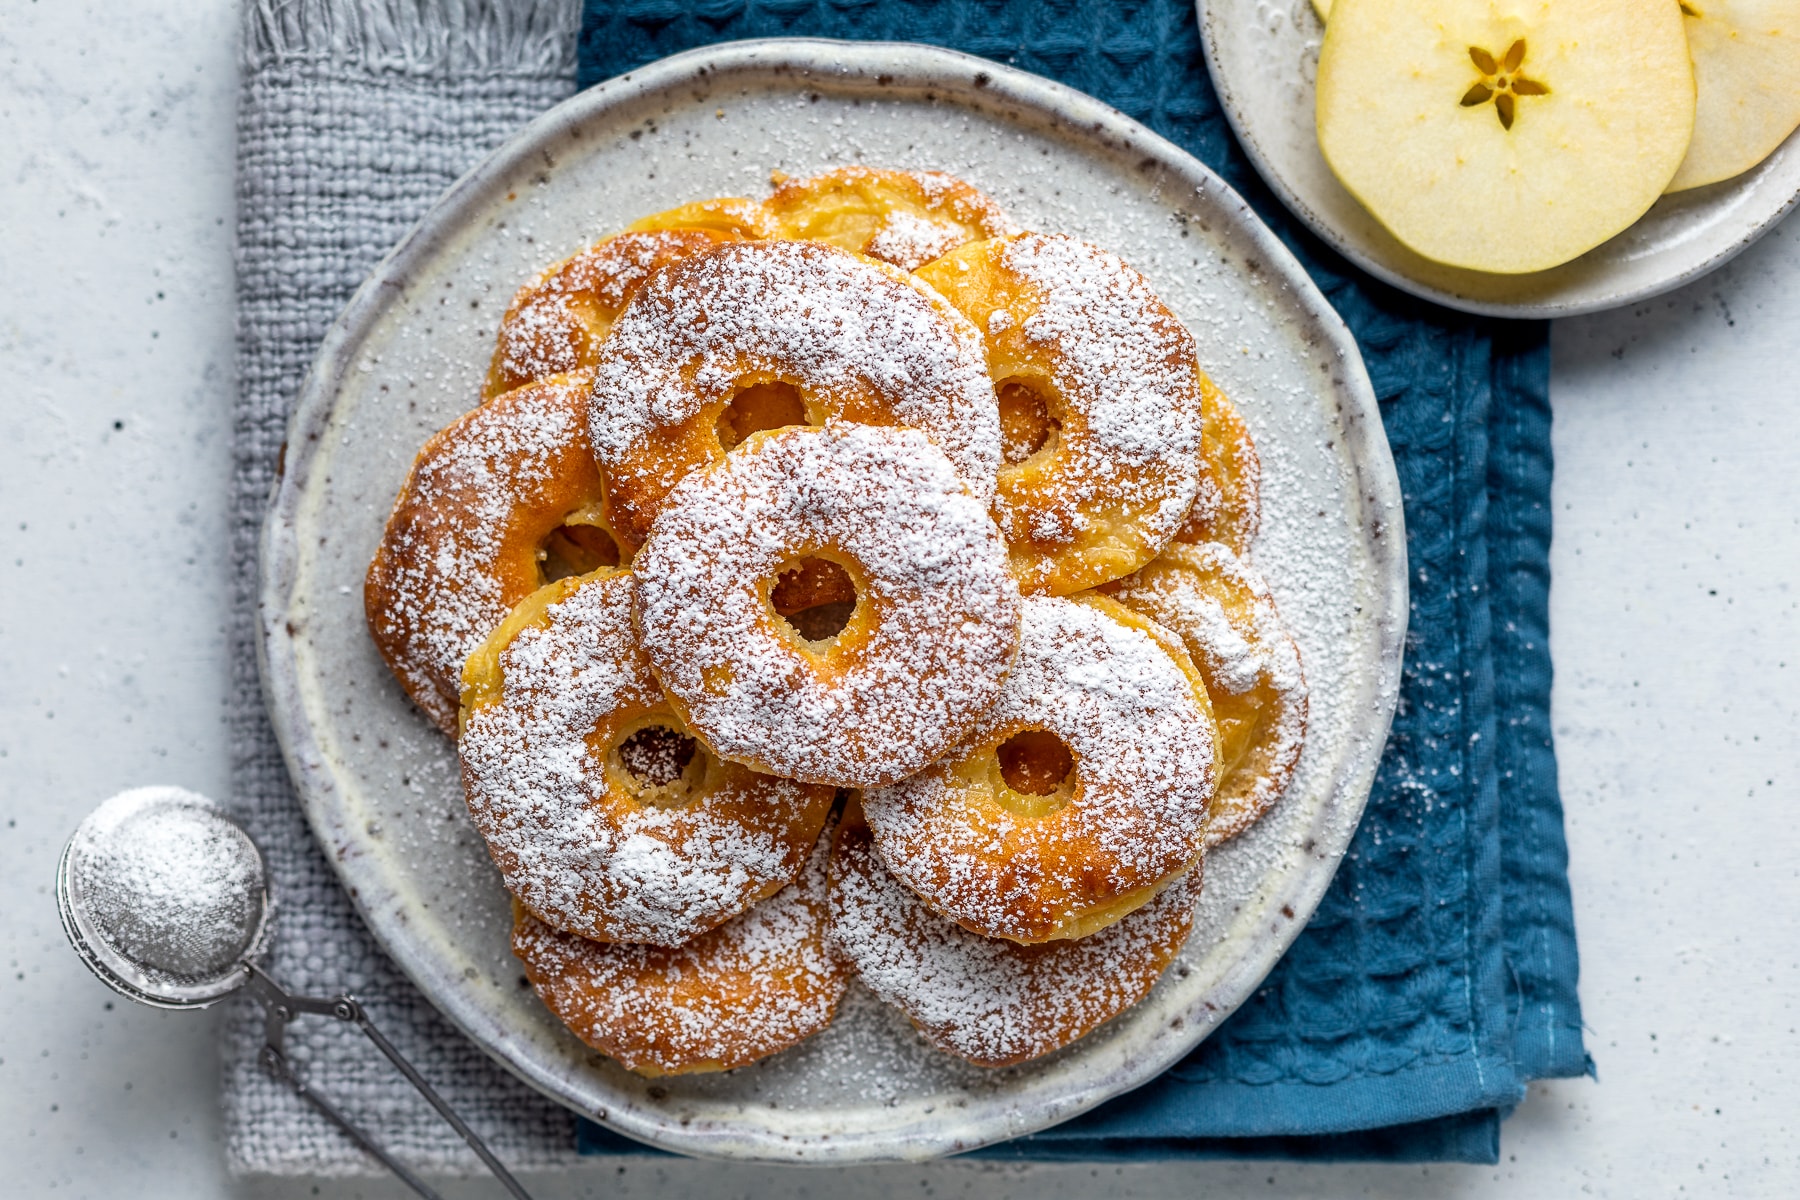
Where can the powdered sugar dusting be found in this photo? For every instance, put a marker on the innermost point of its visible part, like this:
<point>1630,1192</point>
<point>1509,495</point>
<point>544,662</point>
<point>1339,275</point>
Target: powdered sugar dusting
<point>916,216</point>
<point>1128,373</point>
<point>870,1071</point>
<point>556,323</point>
<point>570,843</point>
<point>1124,374</point>
<point>1221,608</point>
<point>908,240</point>
<point>755,985</point>
<point>461,547</point>
<point>902,685</point>
<point>1228,506</point>
<point>172,886</point>
<point>938,186</point>
<point>995,1002</point>
<point>855,340</point>
<point>1143,781</point>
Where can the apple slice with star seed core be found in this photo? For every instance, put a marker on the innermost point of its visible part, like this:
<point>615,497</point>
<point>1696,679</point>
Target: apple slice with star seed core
<point>1505,135</point>
<point>1747,72</point>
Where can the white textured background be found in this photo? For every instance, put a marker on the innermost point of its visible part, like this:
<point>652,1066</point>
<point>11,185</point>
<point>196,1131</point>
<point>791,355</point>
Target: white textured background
<point>1676,631</point>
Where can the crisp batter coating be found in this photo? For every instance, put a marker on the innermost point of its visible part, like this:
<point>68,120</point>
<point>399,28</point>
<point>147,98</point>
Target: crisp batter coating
<point>557,322</point>
<point>752,336</point>
<point>1228,507</point>
<point>734,215</point>
<point>923,652</point>
<point>1006,849</point>
<point>994,1002</point>
<point>1100,405</point>
<point>605,817</point>
<point>498,502</point>
<point>757,984</point>
<point>858,487</point>
<point>1221,609</point>
<point>906,218</point>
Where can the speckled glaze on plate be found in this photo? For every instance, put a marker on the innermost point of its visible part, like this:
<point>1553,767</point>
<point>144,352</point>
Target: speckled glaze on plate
<point>381,787</point>
<point>1264,57</point>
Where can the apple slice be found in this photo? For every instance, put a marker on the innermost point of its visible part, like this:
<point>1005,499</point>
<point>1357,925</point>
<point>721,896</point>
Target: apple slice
<point>1323,8</point>
<point>1505,135</point>
<point>1747,71</point>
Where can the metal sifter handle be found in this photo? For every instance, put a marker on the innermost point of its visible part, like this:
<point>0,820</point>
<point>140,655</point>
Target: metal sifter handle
<point>281,1007</point>
<point>194,954</point>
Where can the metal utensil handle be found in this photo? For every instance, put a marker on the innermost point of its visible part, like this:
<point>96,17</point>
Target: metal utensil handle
<point>468,1135</point>
<point>280,1007</point>
<point>278,1066</point>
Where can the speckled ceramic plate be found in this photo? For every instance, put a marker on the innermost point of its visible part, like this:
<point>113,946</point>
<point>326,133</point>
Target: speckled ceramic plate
<point>381,787</point>
<point>1264,57</point>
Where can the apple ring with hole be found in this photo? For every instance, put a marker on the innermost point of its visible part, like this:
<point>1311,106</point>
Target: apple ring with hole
<point>756,985</point>
<point>750,336</point>
<point>1077,797</point>
<point>918,657</point>
<point>555,323</point>
<point>906,218</point>
<point>606,817</point>
<point>501,501</point>
<point>1221,609</point>
<point>987,1000</point>
<point>1100,405</point>
<point>1228,506</point>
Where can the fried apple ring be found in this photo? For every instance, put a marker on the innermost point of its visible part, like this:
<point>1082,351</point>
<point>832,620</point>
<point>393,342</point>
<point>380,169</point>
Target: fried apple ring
<point>555,323</point>
<point>755,985</point>
<point>1077,797</point>
<point>906,218</point>
<point>503,500</point>
<point>1100,405</point>
<point>758,335</point>
<point>1228,506</point>
<point>994,1002</point>
<point>1221,609</point>
<point>606,818</point>
<point>733,215</point>
<point>934,624</point>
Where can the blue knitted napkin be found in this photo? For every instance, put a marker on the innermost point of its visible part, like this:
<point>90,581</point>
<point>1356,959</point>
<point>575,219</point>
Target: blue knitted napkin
<point>1438,975</point>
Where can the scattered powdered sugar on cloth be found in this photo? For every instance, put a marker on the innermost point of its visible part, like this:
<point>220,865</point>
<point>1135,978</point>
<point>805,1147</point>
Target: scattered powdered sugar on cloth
<point>1143,756</point>
<point>896,691</point>
<point>537,790</point>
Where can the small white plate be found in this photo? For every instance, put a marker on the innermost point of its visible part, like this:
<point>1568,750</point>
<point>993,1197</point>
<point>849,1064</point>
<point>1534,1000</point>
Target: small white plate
<point>382,789</point>
<point>1264,56</point>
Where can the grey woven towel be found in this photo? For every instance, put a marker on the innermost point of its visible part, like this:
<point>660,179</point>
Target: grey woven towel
<point>354,115</point>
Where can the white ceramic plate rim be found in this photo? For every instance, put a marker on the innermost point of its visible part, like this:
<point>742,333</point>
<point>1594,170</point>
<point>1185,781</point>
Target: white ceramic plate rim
<point>843,65</point>
<point>1572,301</point>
